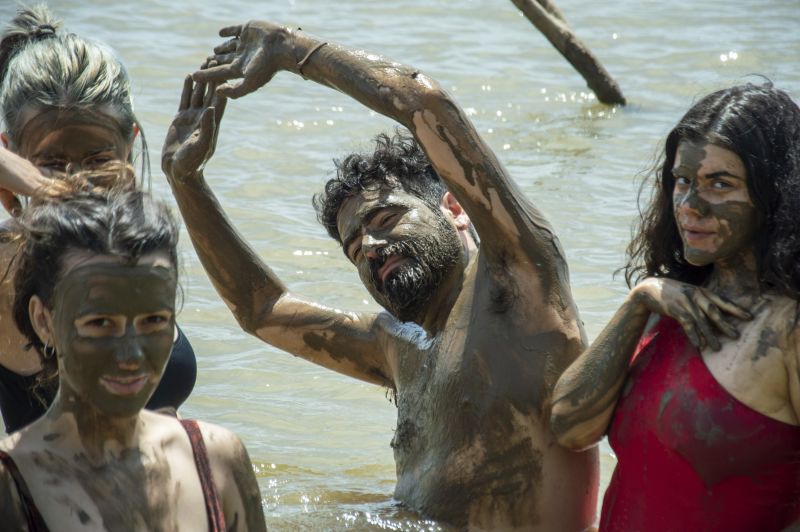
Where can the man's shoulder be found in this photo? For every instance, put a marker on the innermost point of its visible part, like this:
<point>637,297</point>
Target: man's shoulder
<point>507,286</point>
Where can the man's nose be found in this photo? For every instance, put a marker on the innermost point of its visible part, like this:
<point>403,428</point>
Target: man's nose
<point>371,245</point>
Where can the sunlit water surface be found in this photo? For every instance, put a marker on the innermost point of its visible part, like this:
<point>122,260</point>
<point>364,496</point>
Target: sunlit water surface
<point>320,441</point>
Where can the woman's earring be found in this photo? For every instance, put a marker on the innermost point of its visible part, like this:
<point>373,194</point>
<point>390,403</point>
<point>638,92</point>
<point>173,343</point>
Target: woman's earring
<point>48,351</point>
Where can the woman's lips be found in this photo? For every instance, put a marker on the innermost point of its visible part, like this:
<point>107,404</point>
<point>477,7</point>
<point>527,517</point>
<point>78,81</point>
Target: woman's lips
<point>696,233</point>
<point>124,385</point>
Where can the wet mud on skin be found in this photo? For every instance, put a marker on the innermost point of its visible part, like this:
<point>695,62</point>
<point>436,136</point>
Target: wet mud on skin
<point>480,458</point>
<point>116,490</point>
<point>592,387</point>
<point>735,221</point>
<point>241,468</point>
<point>83,361</point>
<point>60,139</point>
<point>474,372</point>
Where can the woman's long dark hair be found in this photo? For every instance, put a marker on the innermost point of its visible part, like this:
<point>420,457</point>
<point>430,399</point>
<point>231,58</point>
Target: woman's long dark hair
<point>99,211</point>
<point>761,125</point>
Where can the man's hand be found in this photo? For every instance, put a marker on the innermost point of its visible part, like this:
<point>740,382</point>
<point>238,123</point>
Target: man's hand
<point>701,313</point>
<point>17,176</point>
<point>192,136</point>
<point>252,56</point>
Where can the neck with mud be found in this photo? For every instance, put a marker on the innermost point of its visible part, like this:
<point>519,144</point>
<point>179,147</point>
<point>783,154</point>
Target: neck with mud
<point>433,317</point>
<point>736,279</point>
<point>100,437</point>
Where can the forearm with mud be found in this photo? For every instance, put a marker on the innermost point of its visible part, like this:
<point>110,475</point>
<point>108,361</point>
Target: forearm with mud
<point>473,174</point>
<point>586,393</point>
<point>348,343</point>
<point>247,285</point>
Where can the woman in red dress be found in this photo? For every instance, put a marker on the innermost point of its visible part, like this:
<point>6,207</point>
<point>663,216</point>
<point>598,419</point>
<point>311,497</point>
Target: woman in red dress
<point>696,379</point>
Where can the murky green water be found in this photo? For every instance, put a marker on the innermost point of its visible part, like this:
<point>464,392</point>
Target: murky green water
<point>320,441</point>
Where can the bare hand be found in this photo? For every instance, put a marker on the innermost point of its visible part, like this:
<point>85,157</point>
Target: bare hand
<point>17,176</point>
<point>701,313</point>
<point>192,136</point>
<point>251,56</point>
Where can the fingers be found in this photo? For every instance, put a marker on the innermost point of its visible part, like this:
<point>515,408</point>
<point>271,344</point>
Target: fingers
<point>186,95</point>
<point>234,90</point>
<point>220,102</point>
<point>209,94</point>
<point>227,46</point>
<point>727,306</point>
<point>715,315</point>
<point>202,95</point>
<point>198,94</point>
<point>207,127</point>
<point>224,59</point>
<point>231,31</point>
<point>709,337</point>
<point>218,73</point>
<point>686,309</point>
<point>690,329</point>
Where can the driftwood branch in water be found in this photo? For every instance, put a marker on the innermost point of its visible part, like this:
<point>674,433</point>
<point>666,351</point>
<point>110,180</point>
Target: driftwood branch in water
<point>551,8</point>
<point>548,20</point>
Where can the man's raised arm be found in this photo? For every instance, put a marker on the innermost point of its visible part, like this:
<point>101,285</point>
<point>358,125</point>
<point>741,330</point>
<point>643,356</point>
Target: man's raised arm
<point>511,229</point>
<point>345,342</point>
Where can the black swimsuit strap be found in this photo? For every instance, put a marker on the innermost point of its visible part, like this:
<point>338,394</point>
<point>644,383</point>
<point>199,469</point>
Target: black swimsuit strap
<point>35,520</point>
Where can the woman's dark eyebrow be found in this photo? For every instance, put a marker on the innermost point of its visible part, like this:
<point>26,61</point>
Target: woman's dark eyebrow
<point>110,147</point>
<point>50,153</point>
<point>723,173</point>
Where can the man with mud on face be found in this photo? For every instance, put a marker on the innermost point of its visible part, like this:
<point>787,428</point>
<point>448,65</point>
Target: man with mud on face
<point>474,337</point>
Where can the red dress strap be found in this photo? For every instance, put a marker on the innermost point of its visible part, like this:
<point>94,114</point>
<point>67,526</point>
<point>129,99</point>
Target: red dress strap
<point>216,518</point>
<point>35,520</point>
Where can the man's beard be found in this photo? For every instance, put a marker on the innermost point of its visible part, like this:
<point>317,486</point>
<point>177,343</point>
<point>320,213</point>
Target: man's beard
<point>427,260</point>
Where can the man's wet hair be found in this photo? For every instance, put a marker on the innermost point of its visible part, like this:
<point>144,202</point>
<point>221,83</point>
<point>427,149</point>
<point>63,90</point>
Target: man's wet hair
<point>397,162</point>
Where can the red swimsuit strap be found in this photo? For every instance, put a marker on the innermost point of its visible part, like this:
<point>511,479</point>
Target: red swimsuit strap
<point>35,520</point>
<point>216,518</point>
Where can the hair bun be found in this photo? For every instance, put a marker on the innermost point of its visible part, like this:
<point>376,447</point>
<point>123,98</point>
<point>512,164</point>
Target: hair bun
<point>43,30</point>
<point>31,24</point>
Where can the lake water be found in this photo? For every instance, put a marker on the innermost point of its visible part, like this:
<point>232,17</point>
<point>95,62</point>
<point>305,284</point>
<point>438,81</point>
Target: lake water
<point>320,441</point>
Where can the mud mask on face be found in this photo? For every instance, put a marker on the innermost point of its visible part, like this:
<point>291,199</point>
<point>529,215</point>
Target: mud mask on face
<point>733,219</point>
<point>87,362</point>
<point>71,136</point>
<point>429,256</point>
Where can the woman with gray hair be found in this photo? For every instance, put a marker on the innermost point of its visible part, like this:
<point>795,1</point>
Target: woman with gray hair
<point>66,106</point>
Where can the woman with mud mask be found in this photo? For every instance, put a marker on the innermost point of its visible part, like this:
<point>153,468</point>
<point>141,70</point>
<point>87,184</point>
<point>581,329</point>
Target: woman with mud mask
<point>95,296</point>
<point>696,379</point>
<point>66,106</point>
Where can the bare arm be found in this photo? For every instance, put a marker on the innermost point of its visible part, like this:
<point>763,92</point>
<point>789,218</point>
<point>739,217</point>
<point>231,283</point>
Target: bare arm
<point>345,342</point>
<point>236,482</point>
<point>586,393</point>
<point>17,176</point>
<point>511,229</point>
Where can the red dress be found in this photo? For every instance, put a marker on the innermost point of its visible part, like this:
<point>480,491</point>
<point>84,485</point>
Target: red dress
<point>690,455</point>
